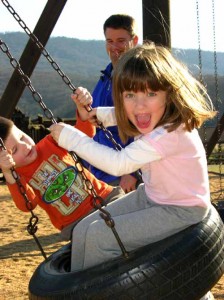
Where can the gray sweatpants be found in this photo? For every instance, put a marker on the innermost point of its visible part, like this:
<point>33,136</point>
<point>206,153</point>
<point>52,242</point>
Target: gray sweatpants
<point>117,192</point>
<point>138,221</point>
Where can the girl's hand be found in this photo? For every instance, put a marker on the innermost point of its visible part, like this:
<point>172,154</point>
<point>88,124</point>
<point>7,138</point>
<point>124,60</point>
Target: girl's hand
<point>83,100</point>
<point>56,130</point>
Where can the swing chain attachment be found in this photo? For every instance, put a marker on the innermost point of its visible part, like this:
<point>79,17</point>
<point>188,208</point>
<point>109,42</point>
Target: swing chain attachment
<point>56,67</point>
<point>98,202</point>
<point>64,77</point>
<point>26,80</point>
<point>32,226</point>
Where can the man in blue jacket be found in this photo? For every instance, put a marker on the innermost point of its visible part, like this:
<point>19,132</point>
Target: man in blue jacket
<point>120,34</point>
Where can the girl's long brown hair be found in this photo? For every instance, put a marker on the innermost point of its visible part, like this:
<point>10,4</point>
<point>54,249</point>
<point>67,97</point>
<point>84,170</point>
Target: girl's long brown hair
<point>153,67</point>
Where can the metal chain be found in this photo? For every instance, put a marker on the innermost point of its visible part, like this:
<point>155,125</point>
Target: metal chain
<point>216,83</point>
<point>32,226</point>
<point>200,68</point>
<point>65,78</point>
<point>97,200</point>
<point>26,80</point>
<point>217,96</point>
<point>56,67</point>
<point>199,44</point>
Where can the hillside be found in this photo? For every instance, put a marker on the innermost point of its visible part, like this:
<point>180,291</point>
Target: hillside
<point>82,61</point>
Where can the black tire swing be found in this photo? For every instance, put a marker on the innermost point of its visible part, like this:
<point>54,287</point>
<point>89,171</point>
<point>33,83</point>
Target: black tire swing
<point>183,266</point>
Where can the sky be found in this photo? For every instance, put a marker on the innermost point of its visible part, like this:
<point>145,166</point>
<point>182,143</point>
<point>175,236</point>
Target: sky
<point>84,20</point>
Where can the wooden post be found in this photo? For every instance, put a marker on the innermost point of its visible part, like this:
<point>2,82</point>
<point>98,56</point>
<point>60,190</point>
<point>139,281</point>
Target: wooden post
<point>30,56</point>
<point>156,21</point>
<point>215,137</point>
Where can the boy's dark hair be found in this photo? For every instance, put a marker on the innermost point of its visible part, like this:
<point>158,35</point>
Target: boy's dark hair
<point>5,127</point>
<point>119,21</point>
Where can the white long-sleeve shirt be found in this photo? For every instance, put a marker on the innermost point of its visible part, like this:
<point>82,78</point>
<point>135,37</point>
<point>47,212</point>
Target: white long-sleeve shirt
<point>173,164</point>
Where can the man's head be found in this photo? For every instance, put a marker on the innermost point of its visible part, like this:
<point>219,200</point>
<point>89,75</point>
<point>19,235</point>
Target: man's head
<point>120,34</point>
<point>20,145</point>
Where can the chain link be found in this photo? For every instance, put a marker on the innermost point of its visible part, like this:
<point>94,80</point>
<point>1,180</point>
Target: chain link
<point>56,67</point>
<point>205,138</point>
<point>97,201</point>
<point>32,225</point>
<point>217,96</point>
<point>65,78</point>
<point>199,44</point>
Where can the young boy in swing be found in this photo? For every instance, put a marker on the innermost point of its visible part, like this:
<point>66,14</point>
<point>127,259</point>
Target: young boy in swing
<point>49,176</point>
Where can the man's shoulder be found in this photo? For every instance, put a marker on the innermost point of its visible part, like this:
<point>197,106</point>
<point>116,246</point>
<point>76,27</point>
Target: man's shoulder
<point>108,70</point>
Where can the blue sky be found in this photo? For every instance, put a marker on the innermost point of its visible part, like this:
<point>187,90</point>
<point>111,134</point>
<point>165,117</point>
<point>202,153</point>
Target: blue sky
<point>82,19</point>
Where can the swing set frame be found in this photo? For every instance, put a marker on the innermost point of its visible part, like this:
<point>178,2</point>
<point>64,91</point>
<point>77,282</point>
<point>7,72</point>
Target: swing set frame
<point>36,43</point>
<point>155,14</point>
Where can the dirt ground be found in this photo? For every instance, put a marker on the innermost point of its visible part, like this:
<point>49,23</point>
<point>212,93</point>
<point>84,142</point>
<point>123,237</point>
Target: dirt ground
<point>19,254</point>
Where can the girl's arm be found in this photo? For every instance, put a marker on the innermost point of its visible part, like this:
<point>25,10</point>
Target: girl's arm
<point>117,163</point>
<point>106,115</point>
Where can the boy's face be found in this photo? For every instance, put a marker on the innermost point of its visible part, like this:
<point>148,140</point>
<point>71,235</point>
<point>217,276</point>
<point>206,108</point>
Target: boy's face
<point>21,146</point>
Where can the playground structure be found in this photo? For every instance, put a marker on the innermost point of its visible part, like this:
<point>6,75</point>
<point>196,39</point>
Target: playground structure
<point>212,137</point>
<point>158,16</point>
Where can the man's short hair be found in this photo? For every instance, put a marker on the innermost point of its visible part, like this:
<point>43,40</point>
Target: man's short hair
<point>121,21</point>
